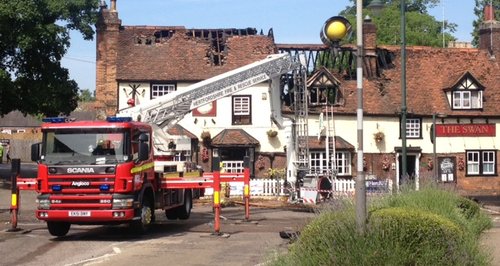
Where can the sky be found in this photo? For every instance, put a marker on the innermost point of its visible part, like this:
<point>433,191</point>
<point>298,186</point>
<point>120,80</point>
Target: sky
<point>292,21</point>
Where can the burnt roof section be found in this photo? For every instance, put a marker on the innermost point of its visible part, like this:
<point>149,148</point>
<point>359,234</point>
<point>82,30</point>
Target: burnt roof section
<point>180,54</point>
<point>430,72</point>
<point>234,137</point>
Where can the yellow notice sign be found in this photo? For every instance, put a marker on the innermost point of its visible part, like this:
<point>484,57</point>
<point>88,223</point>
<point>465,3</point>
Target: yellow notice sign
<point>216,197</point>
<point>13,202</point>
<point>246,190</point>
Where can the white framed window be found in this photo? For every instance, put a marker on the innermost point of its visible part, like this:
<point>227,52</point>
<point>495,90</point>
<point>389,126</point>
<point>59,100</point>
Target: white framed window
<point>319,163</point>
<point>481,162</point>
<point>488,162</point>
<point>343,163</point>
<point>413,127</point>
<point>242,110</point>
<point>473,162</point>
<point>467,95</point>
<point>158,90</point>
<point>241,105</point>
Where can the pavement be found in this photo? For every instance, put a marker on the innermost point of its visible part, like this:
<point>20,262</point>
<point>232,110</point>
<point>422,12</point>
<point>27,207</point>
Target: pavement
<point>490,239</point>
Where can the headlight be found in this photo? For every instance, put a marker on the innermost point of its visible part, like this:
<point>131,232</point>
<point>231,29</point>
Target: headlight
<point>123,203</point>
<point>43,204</point>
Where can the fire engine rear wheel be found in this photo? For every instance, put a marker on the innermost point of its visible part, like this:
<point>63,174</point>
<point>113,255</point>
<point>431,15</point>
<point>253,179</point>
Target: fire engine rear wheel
<point>58,228</point>
<point>171,214</point>
<point>184,211</point>
<point>146,218</point>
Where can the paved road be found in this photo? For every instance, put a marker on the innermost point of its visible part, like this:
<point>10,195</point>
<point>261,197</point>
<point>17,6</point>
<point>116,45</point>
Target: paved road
<point>491,238</point>
<point>188,242</point>
<point>169,242</point>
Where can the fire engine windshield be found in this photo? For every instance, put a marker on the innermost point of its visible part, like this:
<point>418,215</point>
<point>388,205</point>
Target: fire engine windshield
<point>85,146</point>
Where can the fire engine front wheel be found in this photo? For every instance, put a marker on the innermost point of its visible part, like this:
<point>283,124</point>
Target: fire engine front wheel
<point>58,228</point>
<point>146,218</point>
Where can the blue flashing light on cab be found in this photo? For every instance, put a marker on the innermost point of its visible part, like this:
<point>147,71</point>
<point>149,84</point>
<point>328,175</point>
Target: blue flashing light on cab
<point>118,119</point>
<point>54,120</point>
<point>56,188</point>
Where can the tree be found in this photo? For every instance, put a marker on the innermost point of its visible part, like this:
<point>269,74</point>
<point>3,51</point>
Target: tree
<point>411,6</point>
<point>479,12</point>
<point>421,28</point>
<point>34,36</point>
<point>86,96</point>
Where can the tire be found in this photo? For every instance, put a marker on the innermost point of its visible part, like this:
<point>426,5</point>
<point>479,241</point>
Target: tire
<point>184,211</point>
<point>171,214</point>
<point>58,228</point>
<point>146,218</point>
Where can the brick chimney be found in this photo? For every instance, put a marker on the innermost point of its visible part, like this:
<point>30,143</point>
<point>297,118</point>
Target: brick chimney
<point>108,30</point>
<point>489,32</point>
<point>113,5</point>
<point>370,46</point>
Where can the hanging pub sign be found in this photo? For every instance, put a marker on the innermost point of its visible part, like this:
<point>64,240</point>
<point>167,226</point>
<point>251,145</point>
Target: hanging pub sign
<point>465,130</point>
<point>447,169</point>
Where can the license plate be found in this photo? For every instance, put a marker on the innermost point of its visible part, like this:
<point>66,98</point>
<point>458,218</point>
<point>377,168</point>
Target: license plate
<point>79,214</point>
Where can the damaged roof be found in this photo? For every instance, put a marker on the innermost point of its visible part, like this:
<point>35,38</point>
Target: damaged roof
<point>180,54</point>
<point>430,72</point>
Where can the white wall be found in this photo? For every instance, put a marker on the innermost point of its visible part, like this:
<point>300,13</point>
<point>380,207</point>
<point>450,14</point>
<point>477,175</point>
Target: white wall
<point>124,93</point>
<point>261,114</point>
<point>346,127</point>
<point>261,119</point>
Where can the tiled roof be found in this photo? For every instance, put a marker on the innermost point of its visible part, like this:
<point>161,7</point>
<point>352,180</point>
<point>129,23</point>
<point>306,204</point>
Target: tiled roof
<point>316,143</point>
<point>178,130</point>
<point>182,57</point>
<point>18,120</point>
<point>234,137</point>
<point>429,72</point>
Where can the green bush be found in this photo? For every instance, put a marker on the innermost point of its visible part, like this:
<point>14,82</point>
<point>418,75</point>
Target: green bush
<point>469,208</point>
<point>419,237</point>
<point>462,211</point>
<point>426,227</point>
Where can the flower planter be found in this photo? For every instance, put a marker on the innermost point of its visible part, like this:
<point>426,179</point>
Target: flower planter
<point>272,133</point>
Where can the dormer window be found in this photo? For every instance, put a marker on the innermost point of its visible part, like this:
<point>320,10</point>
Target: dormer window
<point>467,93</point>
<point>324,88</point>
<point>323,95</point>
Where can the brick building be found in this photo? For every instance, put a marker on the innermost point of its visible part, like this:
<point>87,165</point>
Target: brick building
<point>454,90</point>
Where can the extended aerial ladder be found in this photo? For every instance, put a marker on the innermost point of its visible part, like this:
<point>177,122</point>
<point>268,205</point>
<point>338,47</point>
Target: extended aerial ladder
<point>172,107</point>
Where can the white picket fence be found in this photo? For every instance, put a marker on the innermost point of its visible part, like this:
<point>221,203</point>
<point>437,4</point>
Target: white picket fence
<point>258,187</point>
<point>273,187</point>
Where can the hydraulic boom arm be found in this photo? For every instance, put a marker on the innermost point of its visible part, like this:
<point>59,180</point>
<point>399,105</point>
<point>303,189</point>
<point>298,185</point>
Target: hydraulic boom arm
<point>170,108</point>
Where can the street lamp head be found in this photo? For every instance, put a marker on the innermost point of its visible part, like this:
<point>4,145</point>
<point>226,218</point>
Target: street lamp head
<point>376,6</point>
<point>334,30</point>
